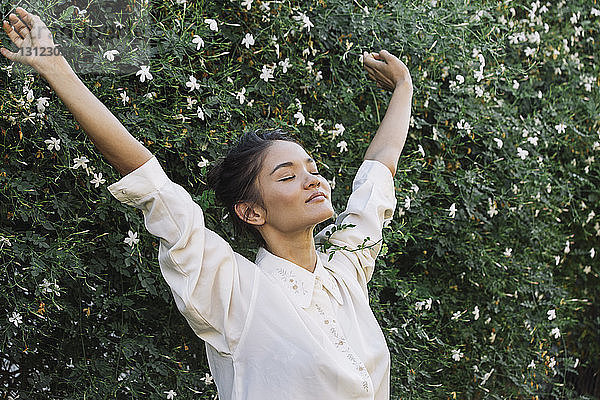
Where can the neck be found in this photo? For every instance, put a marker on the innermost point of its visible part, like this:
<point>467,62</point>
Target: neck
<point>298,248</point>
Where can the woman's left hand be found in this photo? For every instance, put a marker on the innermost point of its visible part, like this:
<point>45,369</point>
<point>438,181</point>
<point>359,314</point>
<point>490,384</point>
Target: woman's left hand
<point>386,69</point>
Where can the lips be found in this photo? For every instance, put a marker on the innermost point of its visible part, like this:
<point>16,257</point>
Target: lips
<point>316,194</point>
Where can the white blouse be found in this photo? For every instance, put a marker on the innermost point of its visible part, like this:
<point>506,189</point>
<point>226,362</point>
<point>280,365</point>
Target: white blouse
<point>272,329</point>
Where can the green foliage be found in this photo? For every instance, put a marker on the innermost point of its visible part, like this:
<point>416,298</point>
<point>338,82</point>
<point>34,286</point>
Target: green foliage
<point>498,188</point>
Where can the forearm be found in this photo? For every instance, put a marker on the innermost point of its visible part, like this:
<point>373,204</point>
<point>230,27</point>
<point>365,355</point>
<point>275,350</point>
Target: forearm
<point>121,149</point>
<point>389,140</point>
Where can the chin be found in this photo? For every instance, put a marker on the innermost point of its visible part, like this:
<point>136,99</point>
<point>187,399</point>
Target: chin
<point>326,216</point>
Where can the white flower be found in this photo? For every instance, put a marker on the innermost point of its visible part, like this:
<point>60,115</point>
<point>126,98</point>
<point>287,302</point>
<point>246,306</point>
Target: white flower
<point>507,252</point>
<point>338,130</point>
<point>486,377</point>
<point>460,79</point>
<point>110,54</point>
<point>42,103</point>
<point>420,150</point>
<point>200,113</point>
<point>192,83</point>
<point>305,20</point>
<point>247,4</point>
<point>49,287</point>
<point>574,18</point>
<point>555,332</point>
<point>557,259</point>
<point>567,248</point>
<point>343,146</point>
<point>170,394</point>
<point>595,12</point>
<point>492,337</point>
<point>522,153</point>
<point>476,313</point>
<point>4,240</point>
<point>97,179</point>
<point>457,355</point>
<point>80,162</point>
<point>285,64</point>
<point>492,211</point>
<point>592,252</point>
<point>144,73</point>
<point>435,133</point>
<point>212,24</point>
<point>478,91</point>
<point>529,51</point>
<point>124,97</point>
<point>199,42</point>
<point>452,210</point>
<point>132,239</point>
<point>498,142</point>
<point>190,102</point>
<point>560,128</point>
<point>456,315</point>
<point>248,40</point>
<point>533,140</point>
<point>551,314</point>
<point>207,379</point>
<point>300,117</point>
<point>462,124</point>
<point>531,364</point>
<point>203,162</point>
<point>552,362</point>
<point>241,95</point>
<point>515,85</point>
<point>419,305</point>
<point>16,319</point>
<point>53,143</point>
<point>478,75</point>
<point>414,188</point>
<point>267,73</point>
<point>407,202</point>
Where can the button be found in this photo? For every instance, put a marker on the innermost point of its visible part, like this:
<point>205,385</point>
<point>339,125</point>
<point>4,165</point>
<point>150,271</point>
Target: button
<point>123,191</point>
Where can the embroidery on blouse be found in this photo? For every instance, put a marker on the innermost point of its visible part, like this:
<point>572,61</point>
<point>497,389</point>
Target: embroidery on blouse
<point>290,281</point>
<point>342,345</point>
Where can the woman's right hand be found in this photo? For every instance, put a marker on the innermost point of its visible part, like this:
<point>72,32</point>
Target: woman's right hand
<point>387,70</point>
<point>34,40</point>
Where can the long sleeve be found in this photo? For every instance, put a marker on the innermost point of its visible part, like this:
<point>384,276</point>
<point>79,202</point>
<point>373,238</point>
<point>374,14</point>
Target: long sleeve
<point>370,207</point>
<point>211,284</point>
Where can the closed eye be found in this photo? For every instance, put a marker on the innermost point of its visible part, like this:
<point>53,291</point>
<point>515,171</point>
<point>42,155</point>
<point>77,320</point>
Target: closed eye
<point>291,177</point>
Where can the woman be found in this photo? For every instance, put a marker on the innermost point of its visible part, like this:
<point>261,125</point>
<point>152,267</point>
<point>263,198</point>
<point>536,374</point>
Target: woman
<point>296,323</point>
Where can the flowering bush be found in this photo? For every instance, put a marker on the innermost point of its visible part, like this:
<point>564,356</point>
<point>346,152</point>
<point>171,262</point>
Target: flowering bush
<point>487,285</point>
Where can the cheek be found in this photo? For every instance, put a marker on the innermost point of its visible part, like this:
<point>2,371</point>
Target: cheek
<point>280,199</point>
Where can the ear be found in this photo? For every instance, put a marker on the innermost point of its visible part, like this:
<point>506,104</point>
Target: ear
<point>252,214</point>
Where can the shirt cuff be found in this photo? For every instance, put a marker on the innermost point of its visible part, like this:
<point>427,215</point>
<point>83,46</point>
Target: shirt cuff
<point>140,182</point>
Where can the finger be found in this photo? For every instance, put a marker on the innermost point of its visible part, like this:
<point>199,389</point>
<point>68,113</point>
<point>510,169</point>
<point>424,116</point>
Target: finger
<point>12,34</point>
<point>369,69</point>
<point>18,25</point>
<point>10,55</point>
<point>28,18</point>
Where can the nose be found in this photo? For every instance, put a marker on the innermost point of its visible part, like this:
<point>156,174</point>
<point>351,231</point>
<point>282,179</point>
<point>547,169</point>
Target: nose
<point>312,180</point>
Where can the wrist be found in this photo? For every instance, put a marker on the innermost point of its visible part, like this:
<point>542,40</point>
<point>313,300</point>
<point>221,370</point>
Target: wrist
<point>404,86</point>
<point>55,67</point>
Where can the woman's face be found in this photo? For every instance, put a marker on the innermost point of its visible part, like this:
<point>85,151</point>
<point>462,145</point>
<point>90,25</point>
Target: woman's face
<point>289,177</point>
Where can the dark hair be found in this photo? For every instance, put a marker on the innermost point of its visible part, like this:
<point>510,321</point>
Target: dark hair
<point>234,177</point>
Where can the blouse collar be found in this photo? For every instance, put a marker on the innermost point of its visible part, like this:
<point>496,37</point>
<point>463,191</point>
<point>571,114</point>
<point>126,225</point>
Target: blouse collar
<point>297,281</point>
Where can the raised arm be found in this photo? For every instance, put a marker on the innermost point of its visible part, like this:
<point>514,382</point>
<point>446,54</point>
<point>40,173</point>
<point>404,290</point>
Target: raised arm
<point>121,149</point>
<point>391,74</point>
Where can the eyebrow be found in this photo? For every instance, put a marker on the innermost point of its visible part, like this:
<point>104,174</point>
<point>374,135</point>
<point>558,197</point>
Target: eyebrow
<point>289,164</point>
